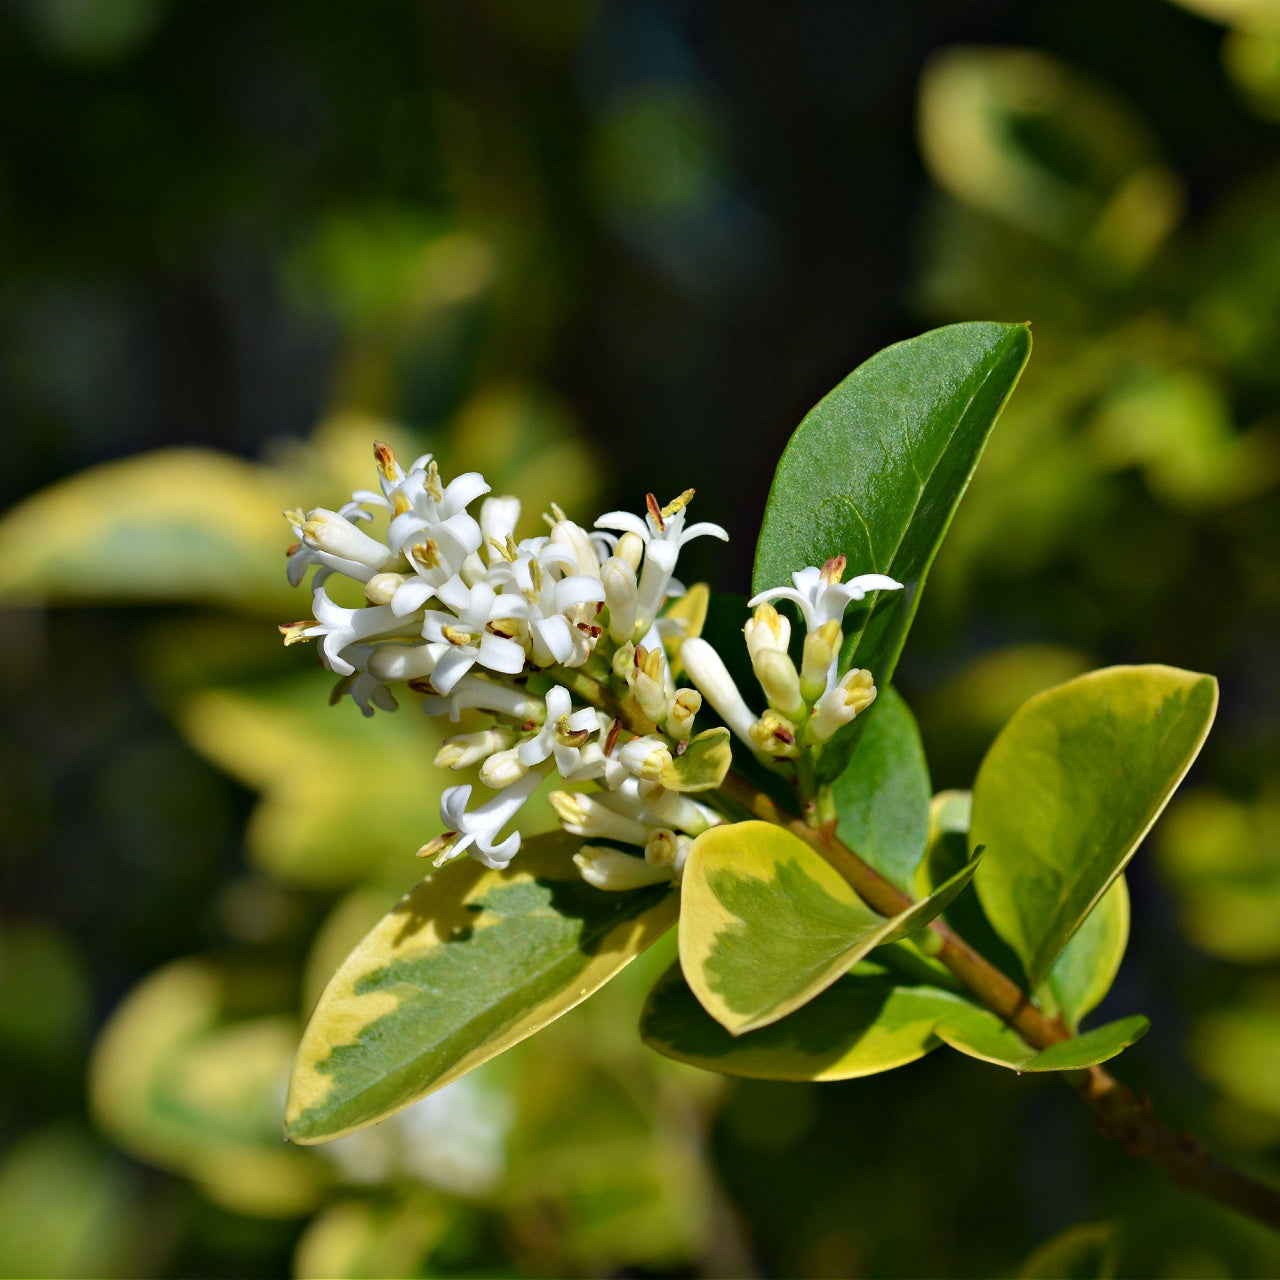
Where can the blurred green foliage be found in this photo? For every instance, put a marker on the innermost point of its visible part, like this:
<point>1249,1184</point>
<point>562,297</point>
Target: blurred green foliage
<point>589,248</point>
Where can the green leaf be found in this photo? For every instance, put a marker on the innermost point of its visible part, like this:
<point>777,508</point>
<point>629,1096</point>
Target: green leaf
<point>978,1033</point>
<point>766,923</point>
<point>702,765</point>
<point>1068,790</point>
<point>875,471</point>
<point>882,797</point>
<point>863,1023</point>
<point>469,963</point>
<point>1088,1251</point>
<point>1087,966</point>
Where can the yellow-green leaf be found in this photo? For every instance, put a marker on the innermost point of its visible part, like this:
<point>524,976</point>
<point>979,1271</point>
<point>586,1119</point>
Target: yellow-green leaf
<point>766,923</point>
<point>468,964</point>
<point>702,765</point>
<point>978,1033</point>
<point>862,1024</point>
<point>1069,789</point>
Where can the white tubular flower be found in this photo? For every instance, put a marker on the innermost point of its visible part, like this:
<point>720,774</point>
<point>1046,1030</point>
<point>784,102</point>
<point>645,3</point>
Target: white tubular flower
<point>366,689</point>
<point>706,669</point>
<point>820,594</point>
<point>477,831</point>
<point>663,534</point>
<point>766,629</point>
<point>621,597</point>
<point>598,817</point>
<point>423,508</point>
<point>563,734</point>
<point>465,634</point>
<point>557,609</point>
<point>465,749</point>
<point>331,540</point>
<point>615,871</point>
<point>840,704</point>
<point>339,628</point>
<point>475,692</point>
<point>675,809</point>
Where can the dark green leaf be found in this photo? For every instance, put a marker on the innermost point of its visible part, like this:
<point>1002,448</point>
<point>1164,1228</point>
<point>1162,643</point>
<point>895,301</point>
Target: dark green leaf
<point>875,471</point>
<point>882,797</point>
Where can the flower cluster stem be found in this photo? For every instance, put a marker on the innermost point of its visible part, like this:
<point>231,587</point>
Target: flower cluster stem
<point>1118,1113</point>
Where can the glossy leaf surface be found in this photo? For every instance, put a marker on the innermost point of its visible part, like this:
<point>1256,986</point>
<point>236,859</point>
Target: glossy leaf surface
<point>882,797</point>
<point>766,923</point>
<point>978,1033</point>
<point>1086,967</point>
<point>468,963</point>
<point>875,471</point>
<point>1068,790</point>
<point>862,1024</point>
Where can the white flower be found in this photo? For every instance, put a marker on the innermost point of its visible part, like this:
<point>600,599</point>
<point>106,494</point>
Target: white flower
<point>820,594</point>
<point>615,871</point>
<point>663,534</point>
<point>476,692</point>
<point>331,540</point>
<point>557,609</point>
<point>465,633</point>
<point>465,749</point>
<point>610,816</point>
<point>841,703</point>
<point>706,669</point>
<point>339,628</point>
<point>563,734</point>
<point>477,831</point>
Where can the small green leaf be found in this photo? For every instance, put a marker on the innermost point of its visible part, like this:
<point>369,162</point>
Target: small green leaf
<point>862,1024</point>
<point>875,471</point>
<point>1086,967</point>
<point>467,964</point>
<point>702,765</point>
<point>766,923</point>
<point>1068,790</point>
<point>882,797</point>
<point>978,1033</point>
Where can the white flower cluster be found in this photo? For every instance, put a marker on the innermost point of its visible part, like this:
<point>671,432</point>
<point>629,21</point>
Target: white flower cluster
<point>562,641</point>
<point>465,614</point>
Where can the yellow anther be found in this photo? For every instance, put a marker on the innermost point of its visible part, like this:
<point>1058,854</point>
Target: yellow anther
<point>293,631</point>
<point>678,504</point>
<point>437,846</point>
<point>507,550</point>
<point>296,516</point>
<point>456,636</point>
<point>401,503</point>
<point>535,575</point>
<point>426,554</point>
<point>432,481</point>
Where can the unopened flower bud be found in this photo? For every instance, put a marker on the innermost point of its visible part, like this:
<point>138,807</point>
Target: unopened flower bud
<point>502,769</point>
<point>766,629</point>
<point>611,869</point>
<point>624,660</point>
<point>620,596</point>
<point>648,682</point>
<point>706,669</point>
<point>328,531</point>
<point>470,748</point>
<point>775,735</point>
<point>684,707</point>
<point>382,586</point>
<point>780,681</point>
<point>837,707</point>
<point>820,649</point>
<point>586,815</point>
<point>646,758</point>
<point>631,549</point>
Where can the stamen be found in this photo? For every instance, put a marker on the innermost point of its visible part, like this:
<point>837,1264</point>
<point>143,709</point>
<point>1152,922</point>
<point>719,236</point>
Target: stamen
<point>456,636</point>
<point>292,631</point>
<point>422,684</point>
<point>655,511</point>
<point>401,504</point>
<point>385,459</point>
<point>426,554</point>
<point>611,739</point>
<point>678,504</point>
<point>438,845</point>
<point>432,481</point>
<point>295,515</point>
<point>507,550</point>
<point>292,549</point>
<point>833,570</point>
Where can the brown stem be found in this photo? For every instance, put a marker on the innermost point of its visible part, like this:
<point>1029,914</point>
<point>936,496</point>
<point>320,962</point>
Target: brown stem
<point>1117,1112</point>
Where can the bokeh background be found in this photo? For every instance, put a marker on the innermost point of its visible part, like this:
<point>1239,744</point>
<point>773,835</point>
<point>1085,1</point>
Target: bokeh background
<point>595,248</point>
